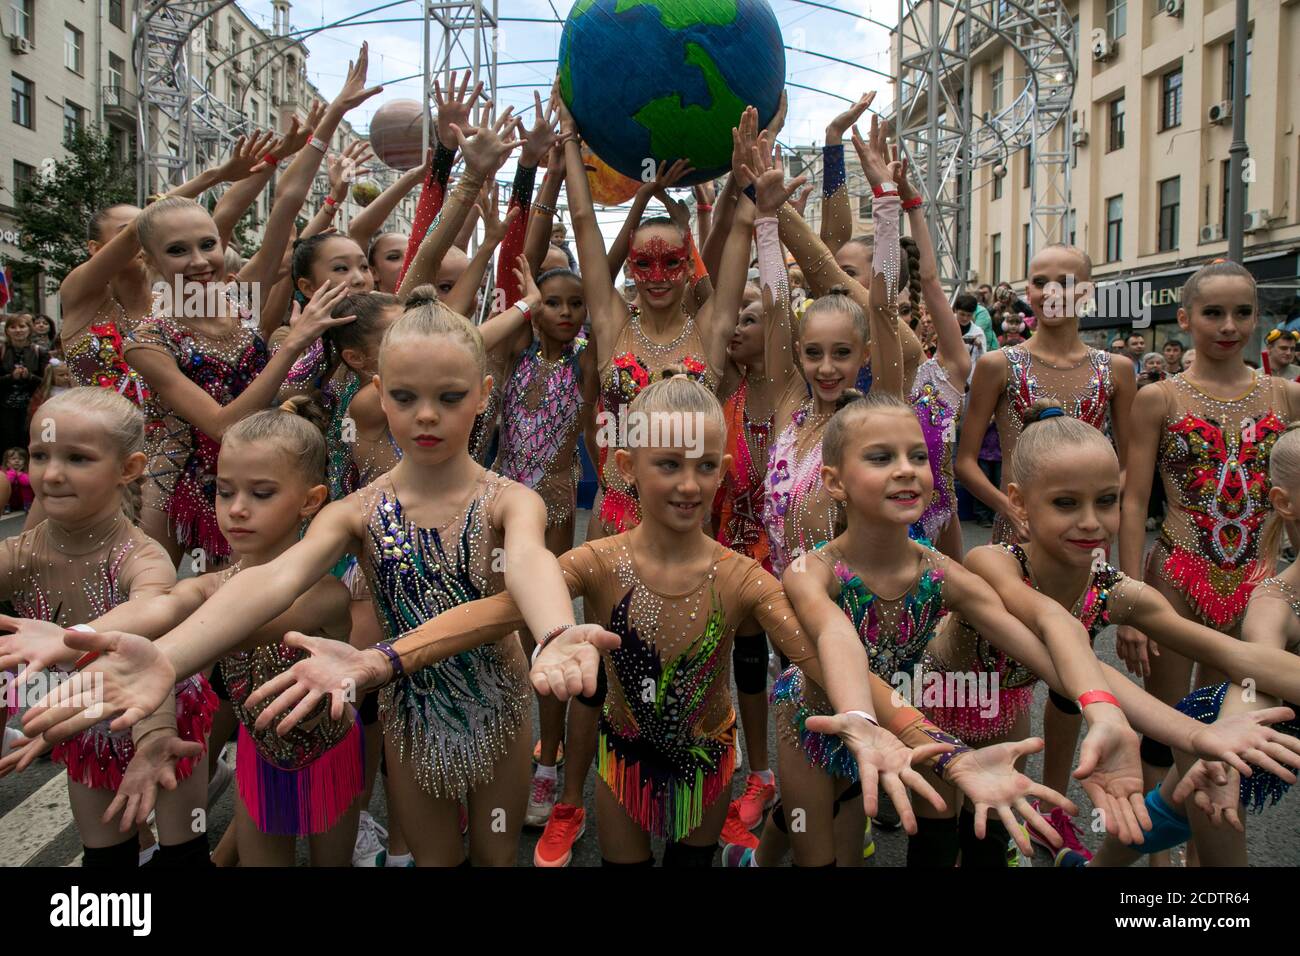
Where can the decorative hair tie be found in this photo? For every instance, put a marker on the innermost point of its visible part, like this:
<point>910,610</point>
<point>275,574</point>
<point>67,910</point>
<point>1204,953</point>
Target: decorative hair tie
<point>1050,413</point>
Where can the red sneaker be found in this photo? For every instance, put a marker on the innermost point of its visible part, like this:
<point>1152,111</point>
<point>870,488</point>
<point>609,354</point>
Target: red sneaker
<point>566,824</point>
<point>755,801</point>
<point>735,832</point>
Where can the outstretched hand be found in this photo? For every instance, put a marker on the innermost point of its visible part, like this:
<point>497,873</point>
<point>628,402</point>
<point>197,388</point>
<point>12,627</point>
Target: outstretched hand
<point>1246,740</point>
<point>570,662</point>
<point>454,108</point>
<point>333,669</point>
<point>36,644</point>
<point>355,92</point>
<point>1215,790</point>
<point>153,765</point>
<point>486,150</point>
<point>768,176</point>
<point>1110,771</point>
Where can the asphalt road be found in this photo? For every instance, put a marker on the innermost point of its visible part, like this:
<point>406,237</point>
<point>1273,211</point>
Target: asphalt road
<point>36,827</point>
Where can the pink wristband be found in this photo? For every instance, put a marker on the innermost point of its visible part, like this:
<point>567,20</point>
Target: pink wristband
<point>1097,697</point>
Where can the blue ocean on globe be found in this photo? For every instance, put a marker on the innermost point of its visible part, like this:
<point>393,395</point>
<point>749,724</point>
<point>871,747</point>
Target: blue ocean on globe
<point>668,79</point>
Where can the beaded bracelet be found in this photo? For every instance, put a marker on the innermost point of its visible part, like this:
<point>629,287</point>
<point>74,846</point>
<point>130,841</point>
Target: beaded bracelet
<point>547,638</point>
<point>542,207</point>
<point>394,658</point>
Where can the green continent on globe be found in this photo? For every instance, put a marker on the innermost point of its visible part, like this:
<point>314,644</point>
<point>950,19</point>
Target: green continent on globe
<point>678,16</point>
<point>693,131</point>
<point>581,7</point>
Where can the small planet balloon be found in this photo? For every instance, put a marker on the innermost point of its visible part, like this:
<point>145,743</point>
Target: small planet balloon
<point>365,193</point>
<point>608,186</point>
<point>397,133</point>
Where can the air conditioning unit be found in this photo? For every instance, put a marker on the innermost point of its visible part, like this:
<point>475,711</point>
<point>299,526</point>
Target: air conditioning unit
<point>1174,8</point>
<point>1103,47</point>
<point>237,66</point>
<point>21,44</point>
<point>1255,221</point>
<point>1080,137</point>
<point>1211,233</point>
<point>1220,113</point>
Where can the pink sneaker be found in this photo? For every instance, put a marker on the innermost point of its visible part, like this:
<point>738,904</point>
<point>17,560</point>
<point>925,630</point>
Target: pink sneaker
<point>1060,822</point>
<point>755,801</point>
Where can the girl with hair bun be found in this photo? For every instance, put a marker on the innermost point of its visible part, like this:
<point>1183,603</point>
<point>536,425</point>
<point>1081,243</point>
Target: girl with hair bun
<point>1207,435</point>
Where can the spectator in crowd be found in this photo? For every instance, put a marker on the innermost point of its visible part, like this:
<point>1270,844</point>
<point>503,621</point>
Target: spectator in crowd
<point>990,461</point>
<point>985,295</point>
<point>1005,297</point>
<point>15,470</point>
<point>1152,369</point>
<point>1188,356</point>
<point>1281,354</point>
<point>963,307</point>
<point>1117,345</point>
<point>1013,328</point>
<point>22,367</point>
<point>1173,351</point>
<point>43,332</point>
<point>984,319</point>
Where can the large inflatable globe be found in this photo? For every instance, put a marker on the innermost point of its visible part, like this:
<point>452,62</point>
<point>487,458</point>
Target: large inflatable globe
<point>653,80</point>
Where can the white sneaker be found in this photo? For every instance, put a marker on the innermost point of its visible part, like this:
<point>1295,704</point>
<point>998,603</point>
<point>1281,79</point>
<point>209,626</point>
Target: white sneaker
<point>219,781</point>
<point>371,837</point>
<point>541,800</point>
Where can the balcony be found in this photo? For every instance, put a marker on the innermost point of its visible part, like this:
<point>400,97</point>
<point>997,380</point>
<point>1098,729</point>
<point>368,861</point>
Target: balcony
<point>120,105</point>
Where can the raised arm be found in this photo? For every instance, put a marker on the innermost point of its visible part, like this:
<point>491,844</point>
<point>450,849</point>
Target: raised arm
<point>665,177</point>
<point>542,216</point>
<point>837,217</point>
<point>341,171</point>
<point>371,219</point>
<point>237,200</point>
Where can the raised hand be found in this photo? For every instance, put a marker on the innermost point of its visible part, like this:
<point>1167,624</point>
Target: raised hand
<point>837,127</point>
<point>489,207</point>
<point>355,92</point>
<point>744,140</point>
<point>989,779</point>
<point>306,325</point>
<point>527,285</point>
<point>300,133</point>
<point>704,193</point>
<point>873,152</point>
<point>884,760</point>
<point>127,681</point>
<point>778,120</point>
<point>1110,771</point>
<point>539,139</point>
<point>899,171</point>
<point>334,669</point>
<point>36,644</point>
<point>801,202</point>
<point>153,765</point>
<point>1215,790</point>
<point>454,108</point>
<point>768,176</point>
<point>343,168</point>
<point>570,662</point>
<point>247,157</point>
<point>1243,740</point>
<point>486,150</point>
<point>666,177</point>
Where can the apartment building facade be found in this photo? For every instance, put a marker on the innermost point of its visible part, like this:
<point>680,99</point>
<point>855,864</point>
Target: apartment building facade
<point>71,64</point>
<point>1148,146</point>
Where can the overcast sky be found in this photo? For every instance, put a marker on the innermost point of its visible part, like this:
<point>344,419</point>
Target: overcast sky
<point>396,52</point>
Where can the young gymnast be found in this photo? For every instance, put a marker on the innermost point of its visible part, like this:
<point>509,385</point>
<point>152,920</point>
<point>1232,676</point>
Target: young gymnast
<point>82,560</point>
<point>270,480</point>
<point>1207,434</point>
<point>436,531</point>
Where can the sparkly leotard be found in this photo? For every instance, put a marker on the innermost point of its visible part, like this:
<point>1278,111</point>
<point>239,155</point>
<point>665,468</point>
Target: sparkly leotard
<point>94,356</point>
<point>1214,463</point>
<point>1262,788</point>
<point>539,434</point>
<point>181,474</point>
<point>1107,598</point>
<point>50,575</point>
<point>798,511</point>
<point>894,632</point>
<point>739,502</point>
<point>937,405</point>
<point>452,720</point>
<point>1083,389</point>
<point>637,361</point>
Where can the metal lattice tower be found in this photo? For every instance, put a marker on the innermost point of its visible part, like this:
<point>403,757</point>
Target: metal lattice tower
<point>469,27</point>
<point>946,143</point>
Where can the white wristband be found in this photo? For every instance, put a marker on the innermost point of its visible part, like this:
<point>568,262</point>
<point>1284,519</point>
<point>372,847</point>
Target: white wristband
<point>82,627</point>
<point>318,143</point>
<point>523,306</point>
<point>864,715</point>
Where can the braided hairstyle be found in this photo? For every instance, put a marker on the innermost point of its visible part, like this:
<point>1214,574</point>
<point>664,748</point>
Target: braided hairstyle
<point>909,269</point>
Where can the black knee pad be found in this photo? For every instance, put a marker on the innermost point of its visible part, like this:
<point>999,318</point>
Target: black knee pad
<point>638,865</point>
<point>778,817</point>
<point>683,854</point>
<point>602,688</point>
<point>191,853</point>
<point>1063,704</point>
<point>988,853</point>
<point>1156,754</point>
<point>749,663</point>
<point>369,709</point>
<point>125,855</point>
<point>934,844</point>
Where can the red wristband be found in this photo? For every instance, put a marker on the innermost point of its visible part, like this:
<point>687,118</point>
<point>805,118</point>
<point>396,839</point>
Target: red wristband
<point>331,201</point>
<point>270,160</point>
<point>703,207</point>
<point>879,191</point>
<point>912,203</point>
<point>1097,697</point>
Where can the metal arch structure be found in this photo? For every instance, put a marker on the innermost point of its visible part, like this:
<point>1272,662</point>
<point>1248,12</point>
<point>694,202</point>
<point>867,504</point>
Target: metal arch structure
<point>171,98</point>
<point>470,27</point>
<point>946,143</point>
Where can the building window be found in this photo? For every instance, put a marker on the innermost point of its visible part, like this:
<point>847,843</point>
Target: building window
<point>1025,235</point>
<point>72,44</point>
<point>23,177</point>
<point>74,120</point>
<point>1074,38</point>
<point>1114,228</point>
<point>120,141</point>
<point>1227,76</point>
<point>116,79</point>
<point>995,265</point>
<point>115,14</point>
<point>1071,227</point>
<point>22,18</point>
<point>1116,18</point>
<point>1115,124</point>
<point>997,187</point>
<point>995,96</point>
<point>1171,99</point>
<point>21,101</point>
<point>1029,165</point>
<point>1168,233</point>
<point>253,111</point>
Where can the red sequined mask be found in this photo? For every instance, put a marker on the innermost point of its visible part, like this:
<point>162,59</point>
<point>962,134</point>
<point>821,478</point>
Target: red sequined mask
<point>662,262</point>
